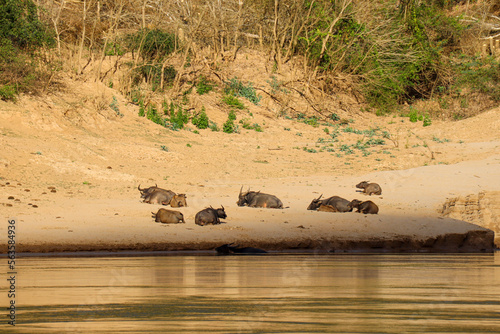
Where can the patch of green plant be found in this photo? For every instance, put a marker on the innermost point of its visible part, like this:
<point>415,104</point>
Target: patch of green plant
<point>245,123</point>
<point>152,74</point>
<point>152,115</point>
<point>232,101</point>
<point>164,148</point>
<point>114,48</point>
<point>152,44</point>
<point>229,126</point>
<point>24,41</point>
<point>437,140</point>
<point>200,120</point>
<point>309,150</point>
<point>213,126</point>
<point>276,86</point>
<point>375,141</point>
<point>415,116</point>
<point>236,88</point>
<point>142,110</point>
<point>203,86</point>
<point>114,105</point>
<point>352,130</point>
<point>346,149</point>
<point>478,74</point>
<point>8,92</point>
<point>177,118</point>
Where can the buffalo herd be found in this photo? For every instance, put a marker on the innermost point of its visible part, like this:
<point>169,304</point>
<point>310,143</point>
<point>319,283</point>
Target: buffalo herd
<point>253,199</point>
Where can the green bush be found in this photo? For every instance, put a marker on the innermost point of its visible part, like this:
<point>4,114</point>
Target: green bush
<point>200,120</point>
<point>152,45</point>
<point>203,86</point>
<point>237,88</point>
<point>152,74</point>
<point>232,101</point>
<point>229,126</point>
<point>22,34</point>
<point>178,119</point>
<point>8,92</point>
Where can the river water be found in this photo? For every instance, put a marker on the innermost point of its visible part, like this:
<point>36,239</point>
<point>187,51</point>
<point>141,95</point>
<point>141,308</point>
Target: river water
<point>387,293</point>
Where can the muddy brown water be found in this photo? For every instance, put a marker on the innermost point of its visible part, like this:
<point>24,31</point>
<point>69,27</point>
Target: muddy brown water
<point>294,293</point>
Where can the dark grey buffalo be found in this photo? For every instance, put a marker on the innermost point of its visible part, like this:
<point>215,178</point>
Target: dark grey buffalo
<point>210,216</point>
<point>256,199</point>
<point>235,249</point>
<point>168,217</point>
<point>147,191</point>
<point>369,188</point>
<point>338,203</point>
<point>366,207</point>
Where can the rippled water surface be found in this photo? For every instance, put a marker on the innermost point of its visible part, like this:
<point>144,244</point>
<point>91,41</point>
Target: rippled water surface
<point>258,294</point>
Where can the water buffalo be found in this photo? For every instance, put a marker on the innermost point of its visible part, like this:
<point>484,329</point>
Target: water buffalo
<point>327,208</point>
<point>168,216</point>
<point>234,249</point>
<point>369,188</point>
<point>364,207</point>
<point>147,191</point>
<point>340,204</point>
<point>177,201</point>
<point>210,216</point>
<point>256,199</point>
<point>159,196</point>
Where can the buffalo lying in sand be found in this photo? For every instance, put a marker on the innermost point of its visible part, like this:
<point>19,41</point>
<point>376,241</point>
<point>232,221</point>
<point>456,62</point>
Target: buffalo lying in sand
<point>256,199</point>
<point>147,191</point>
<point>369,188</point>
<point>165,197</point>
<point>168,217</point>
<point>235,249</point>
<point>210,216</point>
<point>327,208</point>
<point>364,207</point>
<point>338,203</point>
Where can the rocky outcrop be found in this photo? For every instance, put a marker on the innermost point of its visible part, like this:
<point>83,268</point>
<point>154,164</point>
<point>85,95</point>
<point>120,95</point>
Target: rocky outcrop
<point>482,209</point>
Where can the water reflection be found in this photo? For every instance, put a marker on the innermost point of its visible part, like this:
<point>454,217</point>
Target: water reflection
<point>249,294</point>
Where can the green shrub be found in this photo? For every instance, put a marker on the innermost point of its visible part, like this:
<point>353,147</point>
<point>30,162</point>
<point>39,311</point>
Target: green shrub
<point>152,45</point>
<point>152,115</point>
<point>229,126</point>
<point>203,86</point>
<point>233,101</point>
<point>237,88</point>
<point>178,119</point>
<point>152,74</point>
<point>245,123</point>
<point>22,35</point>
<point>8,92</point>
<point>200,120</point>
<point>213,126</point>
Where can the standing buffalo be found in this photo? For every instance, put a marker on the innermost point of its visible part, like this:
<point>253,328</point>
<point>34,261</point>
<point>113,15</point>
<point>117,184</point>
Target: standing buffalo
<point>235,249</point>
<point>338,203</point>
<point>369,188</point>
<point>364,207</point>
<point>210,216</point>
<point>256,199</point>
<point>168,216</point>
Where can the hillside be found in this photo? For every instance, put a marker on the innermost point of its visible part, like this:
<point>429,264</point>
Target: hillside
<point>70,165</point>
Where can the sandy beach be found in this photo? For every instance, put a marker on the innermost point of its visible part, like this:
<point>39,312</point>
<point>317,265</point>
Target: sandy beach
<point>69,178</point>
